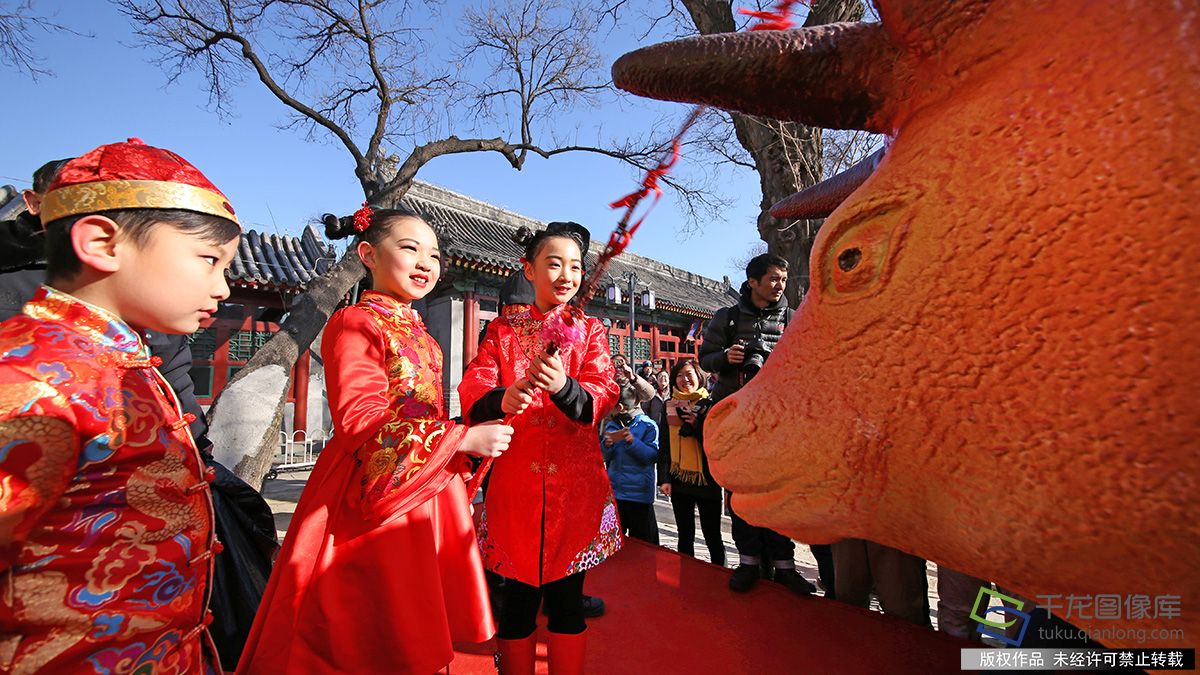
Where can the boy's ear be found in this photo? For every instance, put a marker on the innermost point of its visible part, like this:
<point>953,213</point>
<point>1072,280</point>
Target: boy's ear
<point>366,253</point>
<point>94,239</point>
<point>33,202</point>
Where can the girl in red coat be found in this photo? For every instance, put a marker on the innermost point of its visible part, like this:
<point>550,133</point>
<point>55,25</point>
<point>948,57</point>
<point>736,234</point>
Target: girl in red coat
<point>380,572</point>
<point>549,514</point>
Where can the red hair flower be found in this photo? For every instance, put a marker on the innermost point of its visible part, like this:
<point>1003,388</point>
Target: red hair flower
<point>362,218</point>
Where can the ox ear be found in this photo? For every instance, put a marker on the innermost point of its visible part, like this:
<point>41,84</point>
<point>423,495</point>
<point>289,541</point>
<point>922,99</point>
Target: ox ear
<point>818,201</point>
<point>837,76</point>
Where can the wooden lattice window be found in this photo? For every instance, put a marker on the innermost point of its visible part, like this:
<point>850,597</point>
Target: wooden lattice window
<point>203,344</point>
<point>641,350</point>
<point>243,344</point>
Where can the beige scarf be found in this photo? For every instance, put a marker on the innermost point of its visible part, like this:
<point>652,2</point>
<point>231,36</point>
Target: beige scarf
<point>687,463</point>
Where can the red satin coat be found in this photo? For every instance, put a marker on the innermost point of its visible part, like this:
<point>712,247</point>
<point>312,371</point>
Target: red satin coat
<point>379,572</point>
<point>106,536</point>
<point>549,511</point>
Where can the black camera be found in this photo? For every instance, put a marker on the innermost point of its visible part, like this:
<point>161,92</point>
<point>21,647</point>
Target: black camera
<point>756,352</point>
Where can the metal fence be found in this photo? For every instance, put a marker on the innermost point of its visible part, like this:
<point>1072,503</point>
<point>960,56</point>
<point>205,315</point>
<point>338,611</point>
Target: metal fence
<point>298,451</point>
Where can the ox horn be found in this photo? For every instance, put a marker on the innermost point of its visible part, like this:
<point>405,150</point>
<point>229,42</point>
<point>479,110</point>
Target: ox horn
<point>818,201</point>
<point>837,76</point>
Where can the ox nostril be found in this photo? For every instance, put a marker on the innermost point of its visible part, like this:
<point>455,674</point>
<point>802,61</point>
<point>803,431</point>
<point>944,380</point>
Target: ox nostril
<point>849,259</point>
<point>722,411</point>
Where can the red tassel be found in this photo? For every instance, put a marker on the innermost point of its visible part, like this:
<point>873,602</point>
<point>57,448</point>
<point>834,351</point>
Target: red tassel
<point>779,19</point>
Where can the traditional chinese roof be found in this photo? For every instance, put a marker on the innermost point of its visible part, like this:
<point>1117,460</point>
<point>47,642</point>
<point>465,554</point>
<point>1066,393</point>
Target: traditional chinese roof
<point>276,262</point>
<point>266,261</point>
<point>479,236</point>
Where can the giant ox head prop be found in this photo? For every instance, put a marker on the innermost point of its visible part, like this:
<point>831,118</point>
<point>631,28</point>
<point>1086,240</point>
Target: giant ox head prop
<point>998,364</point>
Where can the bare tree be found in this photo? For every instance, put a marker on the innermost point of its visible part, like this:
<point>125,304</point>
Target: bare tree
<point>843,148</point>
<point>787,156</point>
<point>361,72</point>
<point>17,27</point>
<point>738,263</point>
<point>538,52</point>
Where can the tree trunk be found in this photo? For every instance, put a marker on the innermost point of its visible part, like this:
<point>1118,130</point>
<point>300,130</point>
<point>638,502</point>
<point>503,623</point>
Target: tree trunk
<point>787,155</point>
<point>247,416</point>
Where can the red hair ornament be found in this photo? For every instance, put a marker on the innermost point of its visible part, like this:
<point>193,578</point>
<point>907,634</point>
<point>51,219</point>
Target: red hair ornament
<point>362,218</point>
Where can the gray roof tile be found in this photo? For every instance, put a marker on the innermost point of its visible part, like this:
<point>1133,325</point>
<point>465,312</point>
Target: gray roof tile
<point>280,261</point>
<point>479,232</point>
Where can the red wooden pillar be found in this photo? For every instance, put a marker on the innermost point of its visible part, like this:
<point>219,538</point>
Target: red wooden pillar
<point>470,344</point>
<point>654,342</point>
<point>300,408</point>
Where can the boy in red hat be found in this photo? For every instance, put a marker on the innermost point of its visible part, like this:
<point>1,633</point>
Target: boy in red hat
<point>106,526</point>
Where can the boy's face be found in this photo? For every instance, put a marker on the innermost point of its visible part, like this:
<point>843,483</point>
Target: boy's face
<point>172,282</point>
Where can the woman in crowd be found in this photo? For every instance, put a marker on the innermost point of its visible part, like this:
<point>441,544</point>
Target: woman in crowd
<point>692,487</point>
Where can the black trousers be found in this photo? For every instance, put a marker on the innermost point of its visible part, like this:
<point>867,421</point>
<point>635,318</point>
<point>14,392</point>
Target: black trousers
<point>685,506</point>
<point>564,607</point>
<point>637,520</point>
<point>767,545</point>
<point>824,555</point>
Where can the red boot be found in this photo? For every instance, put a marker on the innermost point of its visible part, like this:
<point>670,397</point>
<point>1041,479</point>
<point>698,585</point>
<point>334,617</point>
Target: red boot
<point>517,656</point>
<point>566,653</point>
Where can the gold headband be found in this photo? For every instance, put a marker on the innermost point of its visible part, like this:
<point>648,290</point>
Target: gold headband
<point>84,198</point>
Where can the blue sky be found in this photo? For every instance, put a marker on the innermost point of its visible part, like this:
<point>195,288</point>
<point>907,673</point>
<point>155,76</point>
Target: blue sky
<point>105,89</point>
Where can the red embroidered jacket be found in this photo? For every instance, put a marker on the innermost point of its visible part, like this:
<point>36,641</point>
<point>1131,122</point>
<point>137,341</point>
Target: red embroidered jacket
<point>380,572</point>
<point>549,511</point>
<point>106,537</point>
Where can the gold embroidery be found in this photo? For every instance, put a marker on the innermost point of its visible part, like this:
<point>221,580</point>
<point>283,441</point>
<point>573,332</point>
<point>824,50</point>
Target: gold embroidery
<point>535,467</point>
<point>552,469</point>
<point>415,428</point>
<point>159,489</point>
<point>43,602</point>
<point>18,395</point>
<point>381,463</point>
<point>55,441</point>
<point>132,194</point>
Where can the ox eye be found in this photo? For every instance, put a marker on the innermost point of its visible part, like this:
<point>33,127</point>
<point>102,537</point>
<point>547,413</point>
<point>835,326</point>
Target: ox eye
<point>849,259</point>
<point>860,249</point>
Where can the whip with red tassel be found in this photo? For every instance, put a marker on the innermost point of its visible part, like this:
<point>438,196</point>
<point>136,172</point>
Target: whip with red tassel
<point>566,327</point>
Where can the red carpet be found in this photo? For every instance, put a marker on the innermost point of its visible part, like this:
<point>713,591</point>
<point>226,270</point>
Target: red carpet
<point>669,613</point>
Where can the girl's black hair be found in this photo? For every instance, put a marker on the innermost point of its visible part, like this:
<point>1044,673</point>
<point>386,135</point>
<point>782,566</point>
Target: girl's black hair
<point>381,221</point>
<point>533,241</point>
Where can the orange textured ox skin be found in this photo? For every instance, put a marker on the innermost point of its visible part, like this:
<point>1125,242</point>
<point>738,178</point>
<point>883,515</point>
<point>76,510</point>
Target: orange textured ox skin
<point>997,366</point>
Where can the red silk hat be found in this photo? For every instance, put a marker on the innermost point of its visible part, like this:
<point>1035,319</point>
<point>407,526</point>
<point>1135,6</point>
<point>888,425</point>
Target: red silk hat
<point>131,175</point>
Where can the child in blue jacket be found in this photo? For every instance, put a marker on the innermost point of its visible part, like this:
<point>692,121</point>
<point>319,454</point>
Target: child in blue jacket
<point>630,445</point>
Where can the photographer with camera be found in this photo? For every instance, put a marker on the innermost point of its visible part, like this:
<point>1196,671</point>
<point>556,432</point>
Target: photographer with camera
<point>737,343</point>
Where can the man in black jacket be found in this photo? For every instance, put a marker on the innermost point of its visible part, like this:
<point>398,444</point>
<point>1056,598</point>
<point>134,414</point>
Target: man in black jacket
<point>22,245</point>
<point>737,342</point>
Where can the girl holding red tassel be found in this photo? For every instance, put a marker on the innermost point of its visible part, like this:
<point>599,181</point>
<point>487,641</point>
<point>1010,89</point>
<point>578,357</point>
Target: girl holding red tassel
<point>549,515</point>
